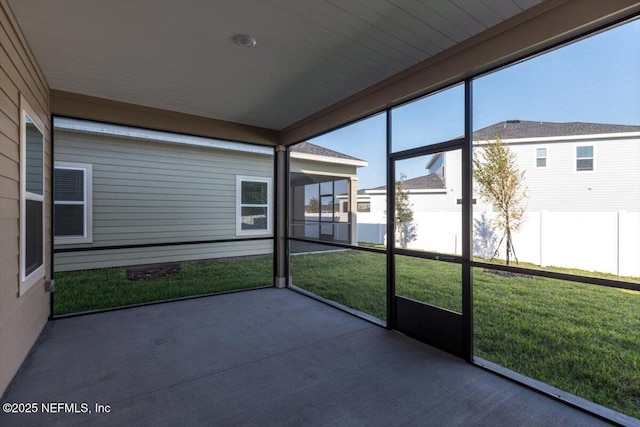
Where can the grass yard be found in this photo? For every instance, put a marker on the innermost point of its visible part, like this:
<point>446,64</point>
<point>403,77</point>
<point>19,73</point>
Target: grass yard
<point>107,288</point>
<point>353,278</point>
<point>580,338</point>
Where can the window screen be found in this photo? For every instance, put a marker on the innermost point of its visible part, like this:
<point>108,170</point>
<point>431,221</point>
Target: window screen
<point>32,206</point>
<point>69,185</point>
<point>34,236</point>
<point>253,195</point>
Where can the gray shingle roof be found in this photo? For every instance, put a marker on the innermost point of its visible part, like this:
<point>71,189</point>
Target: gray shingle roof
<point>309,148</point>
<point>425,182</point>
<point>510,129</point>
<point>513,129</point>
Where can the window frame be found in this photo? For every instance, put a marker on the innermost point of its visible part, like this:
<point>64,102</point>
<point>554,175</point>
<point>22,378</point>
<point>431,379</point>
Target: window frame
<point>546,157</point>
<point>592,158</point>
<point>28,280</point>
<point>368,210</point>
<point>87,236</point>
<point>239,205</point>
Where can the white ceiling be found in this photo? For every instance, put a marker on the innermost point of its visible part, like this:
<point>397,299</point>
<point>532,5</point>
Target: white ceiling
<point>178,54</point>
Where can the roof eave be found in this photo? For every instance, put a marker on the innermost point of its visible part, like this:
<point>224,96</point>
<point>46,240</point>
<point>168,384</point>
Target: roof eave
<point>618,135</point>
<point>327,159</point>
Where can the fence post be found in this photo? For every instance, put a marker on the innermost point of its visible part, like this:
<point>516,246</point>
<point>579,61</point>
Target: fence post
<point>618,214</point>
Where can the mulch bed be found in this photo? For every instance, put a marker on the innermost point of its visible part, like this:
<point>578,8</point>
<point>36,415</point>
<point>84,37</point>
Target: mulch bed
<point>143,272</point>
<point>509,274</point>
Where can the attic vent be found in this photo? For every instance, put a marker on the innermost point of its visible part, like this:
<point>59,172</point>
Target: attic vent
<point>513,121</point>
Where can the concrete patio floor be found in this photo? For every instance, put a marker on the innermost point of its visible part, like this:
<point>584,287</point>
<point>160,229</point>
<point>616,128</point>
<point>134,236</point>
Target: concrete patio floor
<point>262,357</point>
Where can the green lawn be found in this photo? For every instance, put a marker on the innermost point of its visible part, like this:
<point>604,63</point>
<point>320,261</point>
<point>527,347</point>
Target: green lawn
<point>353,278</point>
<point>580,338</point>
<point>106,288</point>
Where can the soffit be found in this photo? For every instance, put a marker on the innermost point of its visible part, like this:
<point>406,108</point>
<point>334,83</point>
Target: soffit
<point>179,56</point>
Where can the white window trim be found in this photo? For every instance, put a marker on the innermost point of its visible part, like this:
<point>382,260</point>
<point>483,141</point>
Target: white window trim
<point>27,281</point>
<point>575,157</point>
<point>239,205</point>
<point>87,236</point>
<point>546,157</point>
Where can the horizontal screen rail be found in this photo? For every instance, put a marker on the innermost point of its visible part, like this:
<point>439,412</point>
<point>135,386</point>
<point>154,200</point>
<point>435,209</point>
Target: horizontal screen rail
<point>591,280</point>
<point>450,145</point>
<point>340,245</point>
<point>428,255</point>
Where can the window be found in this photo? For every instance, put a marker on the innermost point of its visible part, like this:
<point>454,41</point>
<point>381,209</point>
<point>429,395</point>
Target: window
<point>584,158</point>
<point>541,157</point>
<point>31,199</point>
<point>72,206</point>
<point>364,206</point>
<point>253,197</point>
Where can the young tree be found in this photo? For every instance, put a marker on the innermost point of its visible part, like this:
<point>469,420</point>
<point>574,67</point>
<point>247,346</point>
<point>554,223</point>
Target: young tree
<point>405,230</point>
<point>313,206</point>
<point>502,185</point>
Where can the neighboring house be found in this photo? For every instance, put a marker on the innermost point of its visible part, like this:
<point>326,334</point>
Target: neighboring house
<point>583,205</point>
<point>129,196</point>
<point>323,187</point>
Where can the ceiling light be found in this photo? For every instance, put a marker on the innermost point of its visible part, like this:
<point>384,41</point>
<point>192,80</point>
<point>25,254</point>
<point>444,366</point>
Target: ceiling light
<point>244,40</point>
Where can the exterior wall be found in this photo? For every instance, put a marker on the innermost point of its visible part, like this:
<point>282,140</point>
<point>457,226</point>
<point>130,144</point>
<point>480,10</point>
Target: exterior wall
<point>147,192</point>
<point>151,192</point>
<point>140,256</point>
<point>21,318</point>
<point>378,209</point>
<point>613,184</point>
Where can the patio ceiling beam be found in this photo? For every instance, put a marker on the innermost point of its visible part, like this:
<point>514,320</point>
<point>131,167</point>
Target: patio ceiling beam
<point>104,110</point>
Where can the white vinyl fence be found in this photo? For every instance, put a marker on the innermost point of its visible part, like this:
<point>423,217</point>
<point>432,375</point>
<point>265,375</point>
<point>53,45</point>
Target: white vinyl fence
<point>607,242</point>
<point>372,233</point>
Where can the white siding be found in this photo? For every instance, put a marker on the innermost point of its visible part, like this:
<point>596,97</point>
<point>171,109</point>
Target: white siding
<point>613,185</point>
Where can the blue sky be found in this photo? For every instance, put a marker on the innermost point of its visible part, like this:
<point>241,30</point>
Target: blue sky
<point>594,80</point>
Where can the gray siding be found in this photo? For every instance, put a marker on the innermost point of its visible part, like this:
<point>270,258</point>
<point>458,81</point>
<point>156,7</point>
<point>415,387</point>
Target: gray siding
<point>154,192</point>
<point>140,256</point>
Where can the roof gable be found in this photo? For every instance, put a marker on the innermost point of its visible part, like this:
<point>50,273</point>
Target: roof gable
<point>309,148</point>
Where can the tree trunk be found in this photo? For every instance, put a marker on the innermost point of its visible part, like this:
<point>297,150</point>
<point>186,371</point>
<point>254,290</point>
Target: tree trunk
<point>508,244</point>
